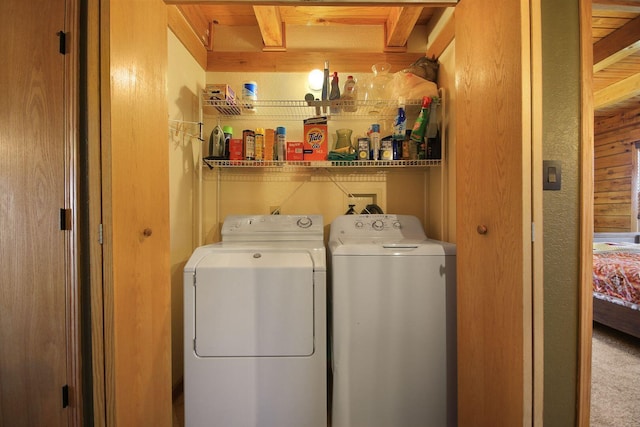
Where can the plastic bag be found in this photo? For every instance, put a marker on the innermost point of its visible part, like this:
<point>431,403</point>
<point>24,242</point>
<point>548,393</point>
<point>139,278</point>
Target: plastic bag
<point>410,86</point>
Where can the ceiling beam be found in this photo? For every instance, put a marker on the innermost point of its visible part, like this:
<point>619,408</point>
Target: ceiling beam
<point>617,5</point>
<point>271,27</point>
<point>429,3</point>
<point>617,92</point>
<point>441,33</point>
<point>399,26</point>
<point>198,21</point>
<point>304,61</point>
<point>619,44</point>
<point>179,25</point>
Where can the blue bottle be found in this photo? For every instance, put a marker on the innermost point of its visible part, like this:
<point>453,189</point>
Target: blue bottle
<point>399,130</point>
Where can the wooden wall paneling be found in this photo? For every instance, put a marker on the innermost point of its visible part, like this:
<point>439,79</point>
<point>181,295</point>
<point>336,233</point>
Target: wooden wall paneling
<point>613,197</point>
<point>611,173</point>
<point>614,160</point>
<point>618,209</point>
<point>493,190</point>
<point>611,224</point>
<point>614,143</point>
<point>615,172</point>
<point>630,118</point>
<point>623,184</point>
<point>136,213</point>
<point>633,213</point>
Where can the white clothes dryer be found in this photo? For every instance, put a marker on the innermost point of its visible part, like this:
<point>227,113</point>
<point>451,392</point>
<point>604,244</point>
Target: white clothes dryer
<point>393,332</point>
<point>255,325</point>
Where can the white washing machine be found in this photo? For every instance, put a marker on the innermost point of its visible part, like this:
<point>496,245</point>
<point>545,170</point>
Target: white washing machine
<point>393,332</point>
<point>255,325</point>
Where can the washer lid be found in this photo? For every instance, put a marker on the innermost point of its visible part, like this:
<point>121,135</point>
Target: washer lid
<point>380,246</point>
<point>252,228</point>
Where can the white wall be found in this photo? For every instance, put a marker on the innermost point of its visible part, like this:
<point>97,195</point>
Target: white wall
<point>319,191</point>
<point>446,79</point>
<point>185,81</point>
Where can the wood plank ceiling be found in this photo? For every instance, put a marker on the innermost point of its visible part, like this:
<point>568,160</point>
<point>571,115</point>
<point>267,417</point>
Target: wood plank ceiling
<point>272,20</point>
<point>616,56</point>
<point>615,32</point>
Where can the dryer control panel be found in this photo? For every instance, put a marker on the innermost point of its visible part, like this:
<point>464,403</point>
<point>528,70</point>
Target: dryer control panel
<point>272,228</point>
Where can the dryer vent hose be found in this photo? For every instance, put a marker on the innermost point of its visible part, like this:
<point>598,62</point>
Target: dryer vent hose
<point>372,209</point>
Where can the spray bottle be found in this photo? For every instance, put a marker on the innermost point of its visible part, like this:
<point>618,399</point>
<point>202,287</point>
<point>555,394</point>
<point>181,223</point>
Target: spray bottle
<point>399,130</point>
<point>335,93</point>
<point>419,131</point>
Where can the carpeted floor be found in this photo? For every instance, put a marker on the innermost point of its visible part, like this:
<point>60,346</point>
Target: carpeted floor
<point>615,379</point>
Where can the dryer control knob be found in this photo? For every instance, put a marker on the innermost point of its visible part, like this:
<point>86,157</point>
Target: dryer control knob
<point>304,222</point>
<point>377,225</point>
<point>359,224</point>
<point>397,225</point>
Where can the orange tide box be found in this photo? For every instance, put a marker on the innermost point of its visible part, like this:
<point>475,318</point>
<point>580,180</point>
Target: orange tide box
<point>315,138</point>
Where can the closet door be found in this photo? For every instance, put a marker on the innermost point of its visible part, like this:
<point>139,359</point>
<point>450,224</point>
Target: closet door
<point>493,205</point>
<point>33,330</point>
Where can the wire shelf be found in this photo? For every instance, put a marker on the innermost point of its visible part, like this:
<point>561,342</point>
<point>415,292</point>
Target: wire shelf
<point>287,165</point>
<point>300,108</point>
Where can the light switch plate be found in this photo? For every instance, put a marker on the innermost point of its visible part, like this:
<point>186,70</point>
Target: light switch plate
<point>551,175</point>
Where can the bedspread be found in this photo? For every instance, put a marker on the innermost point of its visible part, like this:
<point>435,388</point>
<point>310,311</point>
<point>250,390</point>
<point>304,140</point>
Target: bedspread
<point>616,273</point>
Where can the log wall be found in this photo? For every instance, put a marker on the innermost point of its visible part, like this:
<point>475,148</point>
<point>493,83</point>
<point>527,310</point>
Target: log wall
<point>616,170</point>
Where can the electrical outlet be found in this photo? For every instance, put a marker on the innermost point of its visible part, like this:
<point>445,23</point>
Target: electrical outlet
<point>360,201</point>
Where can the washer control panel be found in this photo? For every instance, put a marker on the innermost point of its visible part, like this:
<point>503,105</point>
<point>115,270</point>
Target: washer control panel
<point>378,225</point>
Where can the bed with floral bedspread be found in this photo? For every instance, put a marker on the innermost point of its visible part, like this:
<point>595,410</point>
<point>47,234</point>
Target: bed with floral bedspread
<point>616,281</point>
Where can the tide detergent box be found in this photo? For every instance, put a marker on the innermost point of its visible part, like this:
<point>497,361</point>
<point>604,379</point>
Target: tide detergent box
<point>315,138</point>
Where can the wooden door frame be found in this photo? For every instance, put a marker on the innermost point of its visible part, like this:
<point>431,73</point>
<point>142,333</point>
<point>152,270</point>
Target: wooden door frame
<point>93,181</point>
<point>72,203</point>
<point>585,303</point>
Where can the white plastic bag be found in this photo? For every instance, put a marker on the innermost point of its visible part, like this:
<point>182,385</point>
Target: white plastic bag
<point>410,86</point>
